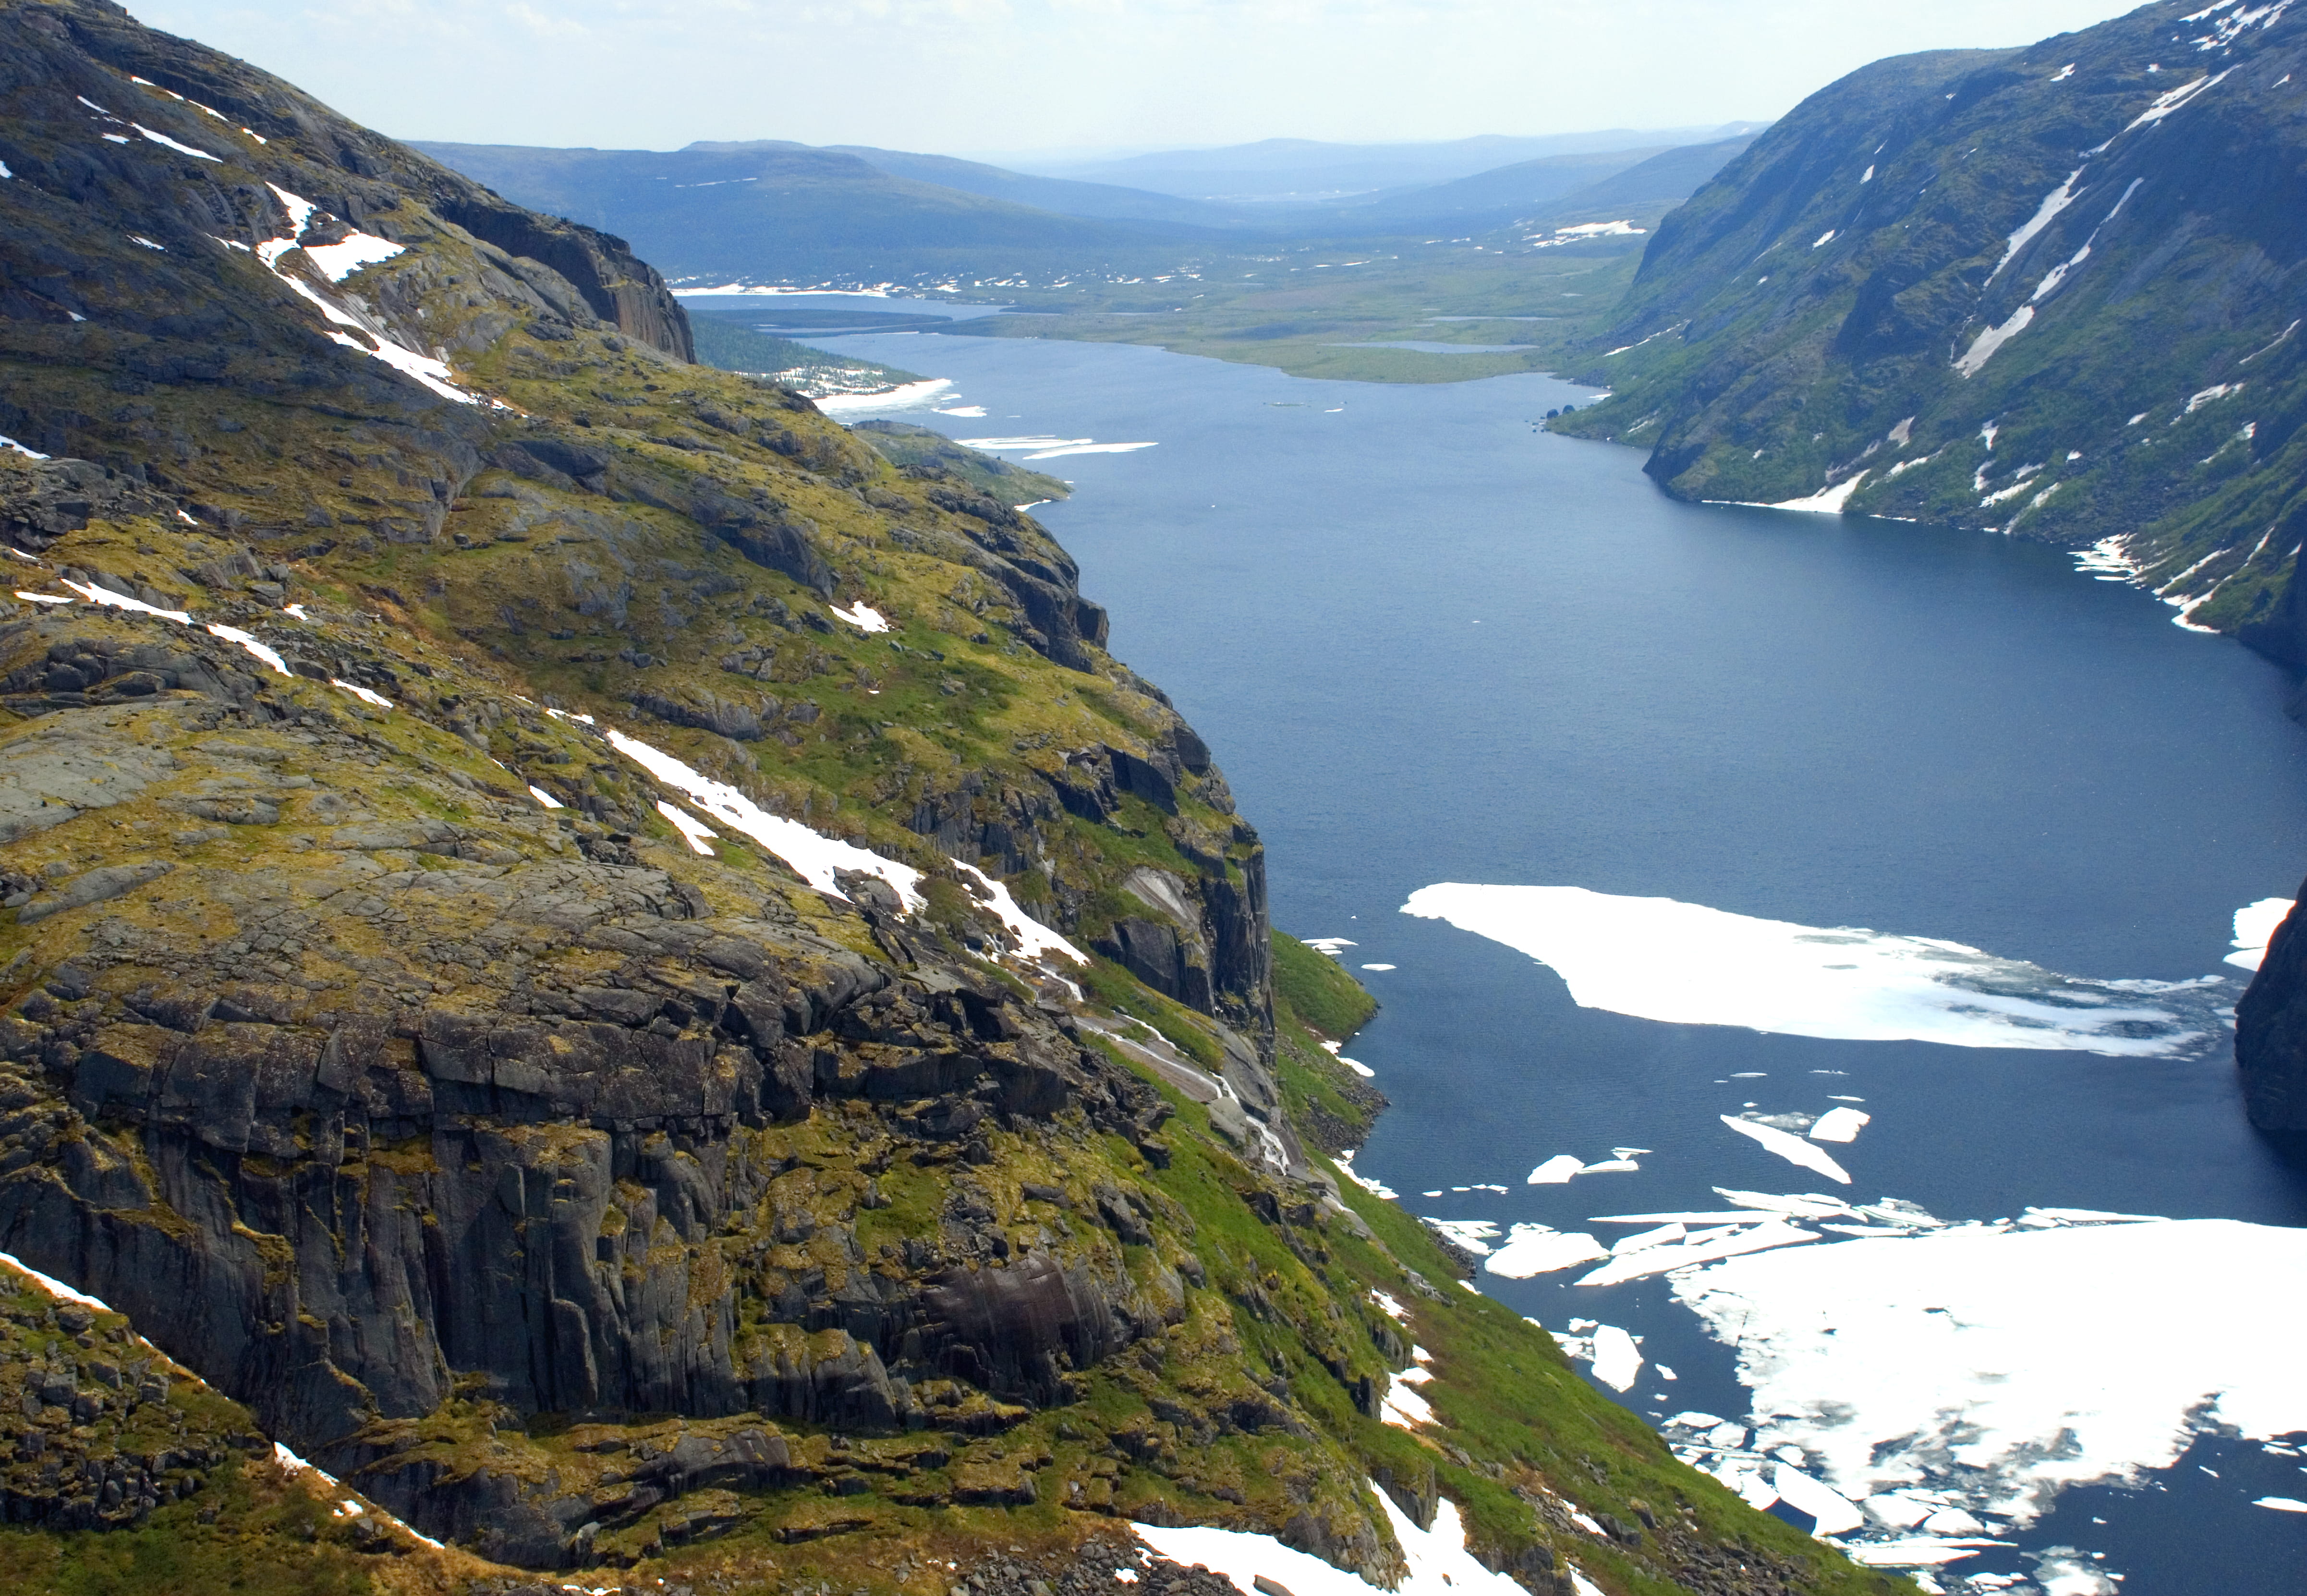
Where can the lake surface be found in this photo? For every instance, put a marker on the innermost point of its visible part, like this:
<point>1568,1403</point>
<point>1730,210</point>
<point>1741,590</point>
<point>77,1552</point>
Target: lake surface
<point>1430,644</point>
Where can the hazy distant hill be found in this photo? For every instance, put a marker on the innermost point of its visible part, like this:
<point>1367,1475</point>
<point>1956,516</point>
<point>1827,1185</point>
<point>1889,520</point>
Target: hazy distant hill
<point>1104,201</point>
<point>767,211</point>
<point>1310,170</point>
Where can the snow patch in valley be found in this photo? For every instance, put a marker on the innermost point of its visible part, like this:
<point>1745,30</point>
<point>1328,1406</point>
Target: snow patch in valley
<point>2057,200</point>
<point>1035,941</point>
<point>1439,1564</point>
<point>161,138</point>
<point>1827,501</point>
<point>1983,348</point>
<point>1684,964</point>
<point>339,261</point>
<point>813,856</point>
<point>862,615</point>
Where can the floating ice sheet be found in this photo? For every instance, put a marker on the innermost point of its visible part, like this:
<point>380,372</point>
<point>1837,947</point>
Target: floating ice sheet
<point>1705,1248</point>
<point>1532,1250</point>
<point>1656,958</point>
<point>1618,1361</point>
<point>1794,1149</point>
<point>1839,1125</point>
<point>1973,1360</point>
<point>1556,1170</point>
<point>907,396</point>
<point>2254,928</point>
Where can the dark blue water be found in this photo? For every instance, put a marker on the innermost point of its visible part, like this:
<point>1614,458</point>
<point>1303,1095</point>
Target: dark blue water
<point>1429,643</point>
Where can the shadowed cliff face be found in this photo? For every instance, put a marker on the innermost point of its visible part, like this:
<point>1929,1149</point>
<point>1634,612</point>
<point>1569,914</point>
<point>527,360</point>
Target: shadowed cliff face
<point>2054,291</point>
<point>2271,1032</point>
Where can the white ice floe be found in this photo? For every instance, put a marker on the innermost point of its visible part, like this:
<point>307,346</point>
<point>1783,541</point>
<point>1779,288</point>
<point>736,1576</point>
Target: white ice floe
<point>161,138</point>
<point>1838,1125</point>
<point>1051,454</point>
<point>1917,1551</point>
<point>1974,1360</point>
<point>813,856</point>
<point>693,830</point>
<point>1534,1250</point>
<point>365,695</point>
<point>1618,1361</point>
<point>546,798</point>
<point>905,395</point>
<point>1035,941</point>
<point>1704,1246</point>
<point>1438,1563</point>
<point>1556,1170</point>
<point>1658,1236</point>
<point>2281,1504</point>
<point>1659,959</point>
<point>339,261</point>
<point>1834,1513</point>
<point>2254,927</point>
<point>972,412</point>
<point>1827,501</point>
<point>1983,348</point>
<point>1329,945</point>
<point>1044,448</point>
<point>862,615</point>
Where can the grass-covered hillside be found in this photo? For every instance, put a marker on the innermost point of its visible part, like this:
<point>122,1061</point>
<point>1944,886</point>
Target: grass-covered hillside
<point>630,978</point>
<point>2054,291</point>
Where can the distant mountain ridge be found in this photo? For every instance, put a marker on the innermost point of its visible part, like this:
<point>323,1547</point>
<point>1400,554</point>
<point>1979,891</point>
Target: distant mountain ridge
<point>2055,291</point>
<point>1315,168</point>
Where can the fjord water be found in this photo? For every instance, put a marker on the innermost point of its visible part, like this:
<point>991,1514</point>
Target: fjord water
<point>1431,644</point>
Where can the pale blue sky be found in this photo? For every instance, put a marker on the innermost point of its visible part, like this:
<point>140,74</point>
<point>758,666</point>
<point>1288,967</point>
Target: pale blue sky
<point>974,76</point>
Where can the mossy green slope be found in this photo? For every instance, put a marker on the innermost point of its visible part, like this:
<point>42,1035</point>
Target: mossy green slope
<point>375,1040</point>
<point>2052,291</point>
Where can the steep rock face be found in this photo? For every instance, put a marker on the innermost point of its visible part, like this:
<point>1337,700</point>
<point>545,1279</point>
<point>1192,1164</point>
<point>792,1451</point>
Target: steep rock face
<point>2054,291</point>
<point>2271,1033</point>
<point>357,178</point>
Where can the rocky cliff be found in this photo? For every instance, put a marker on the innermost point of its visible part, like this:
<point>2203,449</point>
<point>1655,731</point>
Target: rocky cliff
<point>2055,292</point>
<point>631,977</point>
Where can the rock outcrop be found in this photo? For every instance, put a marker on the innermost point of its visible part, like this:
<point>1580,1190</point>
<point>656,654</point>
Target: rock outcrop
<point>2055,292</point>
<point>2271,1032</point>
